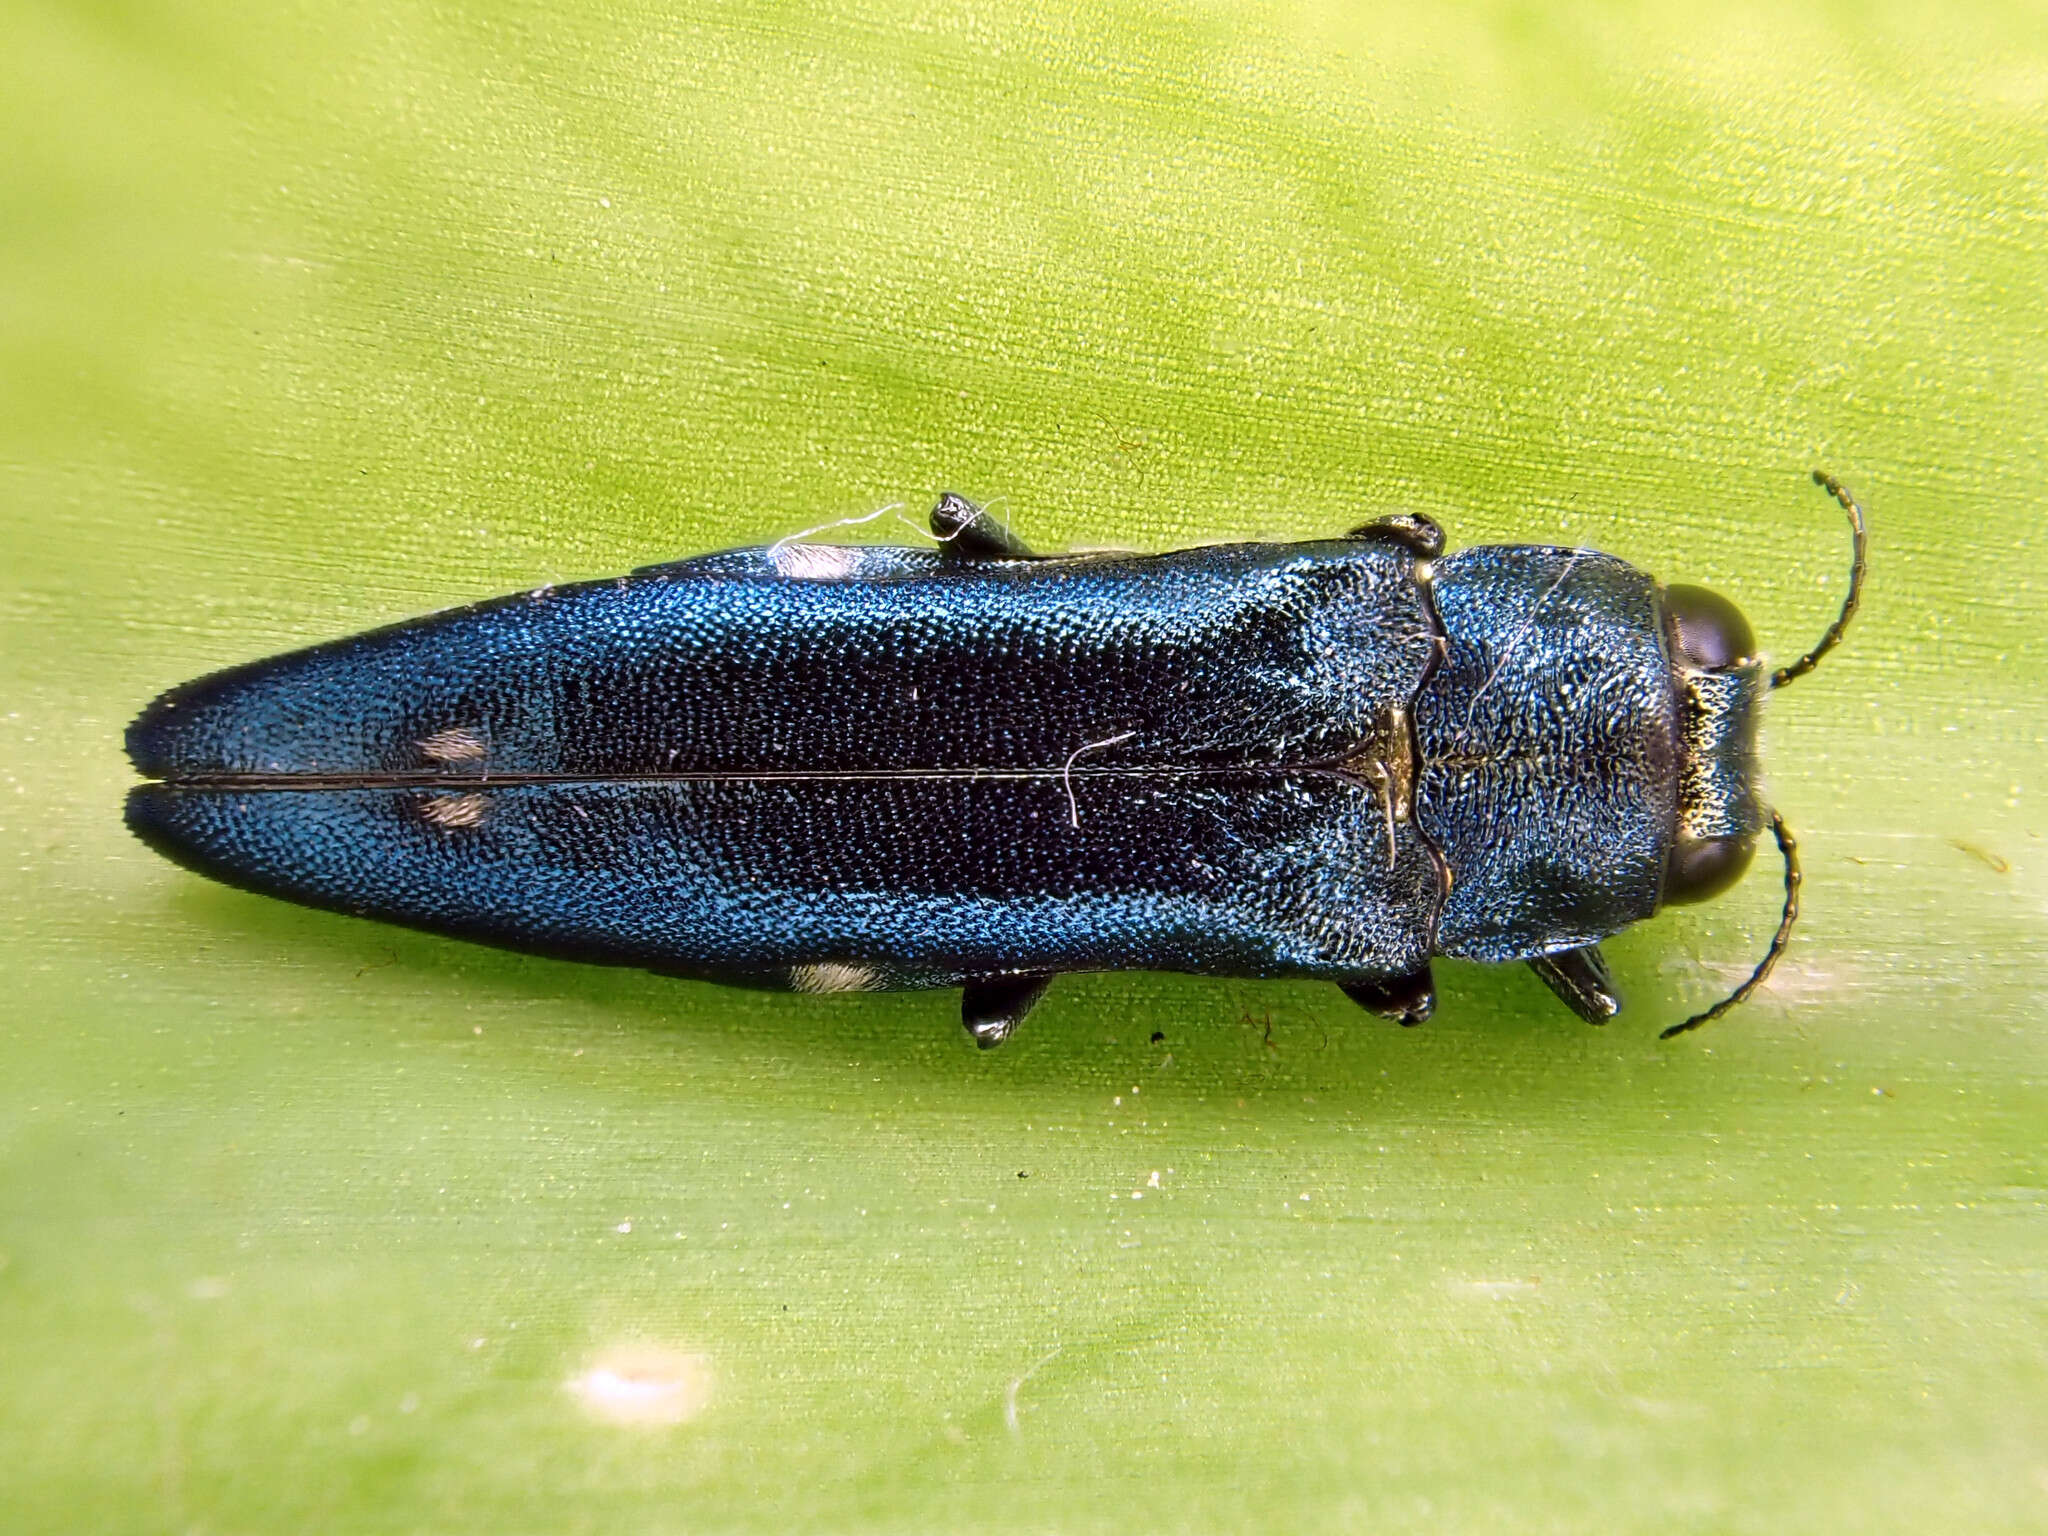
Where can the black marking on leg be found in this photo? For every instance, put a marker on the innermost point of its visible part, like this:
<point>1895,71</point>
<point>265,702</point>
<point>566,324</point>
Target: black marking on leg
<point>1581,981</point>
<point>1407,1000</point>
<point>1410,530</point>
<point>993,1006</point>
<point>966,532</point>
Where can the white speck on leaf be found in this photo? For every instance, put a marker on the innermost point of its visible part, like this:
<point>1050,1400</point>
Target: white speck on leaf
<point>644,1384</point>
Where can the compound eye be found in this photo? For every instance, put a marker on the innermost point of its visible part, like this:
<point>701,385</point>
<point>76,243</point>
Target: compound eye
<point>1707,630</point>
<point>1705,868</point>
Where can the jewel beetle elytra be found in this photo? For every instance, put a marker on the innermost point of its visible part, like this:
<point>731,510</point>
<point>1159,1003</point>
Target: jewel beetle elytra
<point>848,768</point>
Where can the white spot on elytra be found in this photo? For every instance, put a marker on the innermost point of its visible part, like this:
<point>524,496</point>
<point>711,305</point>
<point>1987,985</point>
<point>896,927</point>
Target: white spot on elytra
<point>831,976</point>
<point>644,1384</point>
<point>457,744</point>
<point>824,562</point>
<point>452,811</point>
<point>815,562</point>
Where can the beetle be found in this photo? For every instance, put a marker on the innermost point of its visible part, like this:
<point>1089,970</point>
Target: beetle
<point>839,768</point>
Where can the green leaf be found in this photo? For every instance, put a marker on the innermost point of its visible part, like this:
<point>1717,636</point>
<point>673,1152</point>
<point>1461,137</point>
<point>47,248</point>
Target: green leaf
<point>316,317</point>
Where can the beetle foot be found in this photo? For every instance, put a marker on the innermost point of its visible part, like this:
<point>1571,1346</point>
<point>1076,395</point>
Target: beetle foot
<point>1411,530</point>
<point>966,532</point>
<point>1581,981</point>
<point>993,1006</point>
<point>1407,1000</point>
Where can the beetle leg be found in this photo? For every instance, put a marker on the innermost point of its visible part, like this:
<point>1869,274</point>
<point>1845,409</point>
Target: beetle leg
<point>993,1006</point>
<point>1407,1000</point>
<point>1580,979</point>
<point>1411,530</point>
<point>966,532</point>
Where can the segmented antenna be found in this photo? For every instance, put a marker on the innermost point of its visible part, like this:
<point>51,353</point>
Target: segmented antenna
<point>1833,637</point>
<point>1789,847</point>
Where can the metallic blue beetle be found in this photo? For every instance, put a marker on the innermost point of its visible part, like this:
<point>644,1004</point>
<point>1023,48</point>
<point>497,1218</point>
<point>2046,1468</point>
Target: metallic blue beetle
<point>834,768</point>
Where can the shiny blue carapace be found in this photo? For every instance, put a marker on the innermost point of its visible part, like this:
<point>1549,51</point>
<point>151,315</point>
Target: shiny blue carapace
<point>837,768</point>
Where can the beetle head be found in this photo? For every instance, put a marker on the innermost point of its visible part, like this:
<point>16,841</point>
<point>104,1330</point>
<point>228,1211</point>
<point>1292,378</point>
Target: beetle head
<point>1719,681</point>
